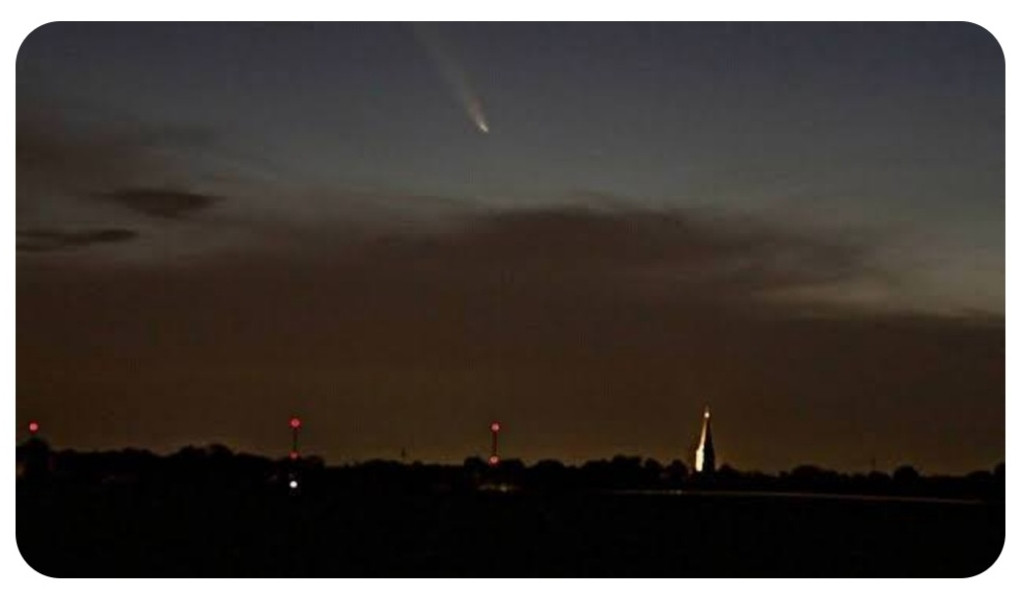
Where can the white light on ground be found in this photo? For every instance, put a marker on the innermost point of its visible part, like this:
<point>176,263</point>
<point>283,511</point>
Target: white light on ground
<point>293,485</point>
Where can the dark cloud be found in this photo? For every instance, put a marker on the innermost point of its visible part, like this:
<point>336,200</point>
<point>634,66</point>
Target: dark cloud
<point>42,240</point>
<point>64,163</point>
<point>694,257</point>
<point>156,202</point>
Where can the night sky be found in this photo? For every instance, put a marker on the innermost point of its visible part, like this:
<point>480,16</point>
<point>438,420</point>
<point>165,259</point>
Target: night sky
<point>586,231</point>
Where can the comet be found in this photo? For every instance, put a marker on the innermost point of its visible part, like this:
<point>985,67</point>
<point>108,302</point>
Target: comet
<point>477,115</point>
<point>453,74</point>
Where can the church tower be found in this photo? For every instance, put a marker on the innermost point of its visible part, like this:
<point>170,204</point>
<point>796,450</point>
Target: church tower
<point>706,448</point>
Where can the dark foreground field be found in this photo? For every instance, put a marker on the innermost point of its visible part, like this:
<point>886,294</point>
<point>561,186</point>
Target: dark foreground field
<point>120,531</point>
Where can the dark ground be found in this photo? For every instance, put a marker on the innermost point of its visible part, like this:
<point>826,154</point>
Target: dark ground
<point>116,530</point>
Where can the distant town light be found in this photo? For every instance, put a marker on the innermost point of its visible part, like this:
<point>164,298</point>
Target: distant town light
<point>293,484</point>
<point>494,427</point>
<point>294,455</point>
<point>493,460</point>
<point>33,427</point>
<point>294,423</point>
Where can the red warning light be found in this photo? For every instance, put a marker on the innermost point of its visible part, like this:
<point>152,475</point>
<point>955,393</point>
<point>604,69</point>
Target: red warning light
<point>493,460</point>
<point>494,427</point>
<point>294,455</point>
<point>294,423</point>
<point>33,427</point>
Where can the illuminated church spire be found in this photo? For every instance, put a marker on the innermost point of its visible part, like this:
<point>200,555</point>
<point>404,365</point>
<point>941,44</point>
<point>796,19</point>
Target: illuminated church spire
<point>706,448</point>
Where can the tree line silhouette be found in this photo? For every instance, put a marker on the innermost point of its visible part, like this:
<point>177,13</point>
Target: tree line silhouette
<point>218,466</point>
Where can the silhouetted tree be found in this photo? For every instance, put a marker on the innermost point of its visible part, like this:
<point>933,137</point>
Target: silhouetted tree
<point>906,480</point>
<point>34,459</point>
<point>728,477</point>
<point>676,472</point>
<point>998,483</point>
<point>652,471</point>
<point>474,463</point>
<point>548,475</point>
<point>905,475</point>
